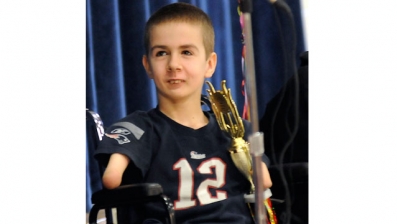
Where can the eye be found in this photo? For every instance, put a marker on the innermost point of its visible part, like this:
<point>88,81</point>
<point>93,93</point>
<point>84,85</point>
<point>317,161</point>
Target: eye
<point>161,53</point>
<point>186,52</point>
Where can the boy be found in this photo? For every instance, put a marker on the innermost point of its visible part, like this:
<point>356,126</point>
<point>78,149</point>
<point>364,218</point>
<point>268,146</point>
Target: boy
<point>177,144</point>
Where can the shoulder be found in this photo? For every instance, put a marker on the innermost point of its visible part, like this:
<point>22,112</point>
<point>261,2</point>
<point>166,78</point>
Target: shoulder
<point>139,114</point>
<point>247,128</point>
<point>136,123</point>
<point>138,117</point>
<point>247,124</point>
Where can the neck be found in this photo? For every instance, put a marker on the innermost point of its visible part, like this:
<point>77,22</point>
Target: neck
<point>187,113</point>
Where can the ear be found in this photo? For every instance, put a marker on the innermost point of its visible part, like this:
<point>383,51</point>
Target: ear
<point>211,63</point>
<point>146,65</point>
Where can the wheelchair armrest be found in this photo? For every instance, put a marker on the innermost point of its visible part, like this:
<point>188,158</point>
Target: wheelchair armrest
<point>130,194</point>
<point>300,171</point>
<point>125,193</point>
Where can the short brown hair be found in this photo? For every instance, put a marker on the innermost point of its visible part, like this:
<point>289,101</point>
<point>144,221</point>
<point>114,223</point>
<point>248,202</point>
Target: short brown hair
<point>182,12</point>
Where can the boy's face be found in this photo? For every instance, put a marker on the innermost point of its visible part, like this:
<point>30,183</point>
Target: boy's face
<point>177,60</point>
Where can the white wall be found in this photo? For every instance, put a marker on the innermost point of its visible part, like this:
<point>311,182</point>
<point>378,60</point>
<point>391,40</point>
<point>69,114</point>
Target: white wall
<point>305,16</point>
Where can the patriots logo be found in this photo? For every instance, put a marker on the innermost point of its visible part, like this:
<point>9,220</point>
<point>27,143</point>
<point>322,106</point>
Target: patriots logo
<point>119,134</point>
<point>195,155</point>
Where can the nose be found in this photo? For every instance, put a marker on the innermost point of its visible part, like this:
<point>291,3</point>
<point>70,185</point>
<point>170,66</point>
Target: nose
<point>174,63</point>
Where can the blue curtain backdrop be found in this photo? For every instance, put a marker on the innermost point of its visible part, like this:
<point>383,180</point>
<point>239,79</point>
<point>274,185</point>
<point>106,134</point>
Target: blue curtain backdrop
<point>116,82</point>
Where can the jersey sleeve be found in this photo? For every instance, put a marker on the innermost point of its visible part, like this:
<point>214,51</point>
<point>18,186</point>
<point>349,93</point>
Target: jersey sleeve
<point>131,136</point>
<point>248,131</point>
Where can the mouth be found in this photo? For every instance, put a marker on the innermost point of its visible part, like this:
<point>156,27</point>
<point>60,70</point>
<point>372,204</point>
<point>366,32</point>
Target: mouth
<point>175,81</point>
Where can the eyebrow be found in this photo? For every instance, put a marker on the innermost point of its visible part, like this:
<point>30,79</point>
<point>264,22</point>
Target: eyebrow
<point>186,46</point>
<point>189,46</point>
<point>157,46</point>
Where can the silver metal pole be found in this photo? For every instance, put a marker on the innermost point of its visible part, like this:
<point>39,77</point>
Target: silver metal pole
<point>256,138</point>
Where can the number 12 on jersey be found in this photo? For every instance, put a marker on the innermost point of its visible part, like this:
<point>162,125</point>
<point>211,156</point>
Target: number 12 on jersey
<point>186,183</point>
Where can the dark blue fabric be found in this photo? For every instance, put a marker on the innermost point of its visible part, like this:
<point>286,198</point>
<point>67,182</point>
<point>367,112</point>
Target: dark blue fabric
<point>116,82</point>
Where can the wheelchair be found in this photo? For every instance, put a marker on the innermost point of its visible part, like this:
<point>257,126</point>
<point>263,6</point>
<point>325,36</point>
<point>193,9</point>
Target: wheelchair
<point>125,198</point>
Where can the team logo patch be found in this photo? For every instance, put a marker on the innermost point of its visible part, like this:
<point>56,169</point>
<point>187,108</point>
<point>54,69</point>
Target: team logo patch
<point>119,134</point>
<point>195,155</point>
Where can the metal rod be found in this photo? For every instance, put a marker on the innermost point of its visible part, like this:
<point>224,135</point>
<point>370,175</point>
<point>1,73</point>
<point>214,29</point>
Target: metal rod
<point>256,149</point>
<point>250,73</point>
<point>256,142</point>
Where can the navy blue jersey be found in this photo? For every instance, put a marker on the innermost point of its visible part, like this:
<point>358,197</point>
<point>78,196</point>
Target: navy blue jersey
<point>194,167</point>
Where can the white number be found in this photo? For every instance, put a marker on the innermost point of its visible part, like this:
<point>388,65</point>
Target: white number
<point>185,188</point>
<point>186,183</point>
<point>203,193</point>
